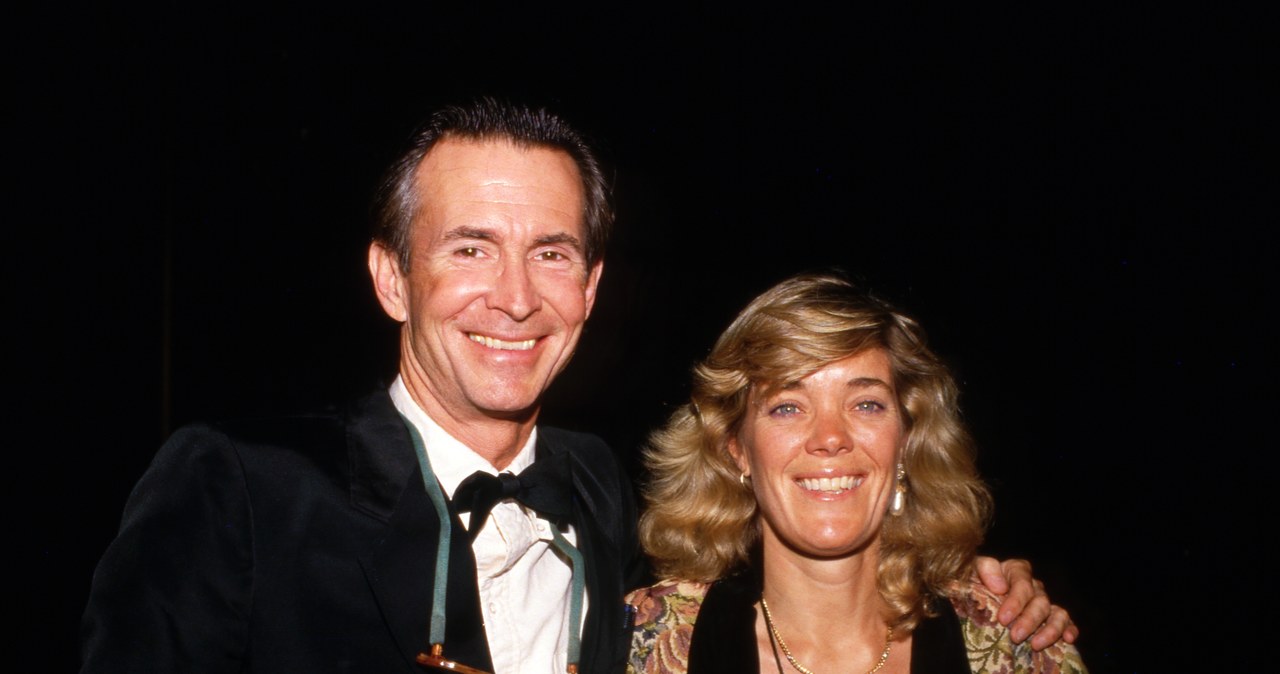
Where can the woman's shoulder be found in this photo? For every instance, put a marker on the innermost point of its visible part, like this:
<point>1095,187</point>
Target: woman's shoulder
<point>665,614</point>
<point>990,647</point>
<point>671,601</point>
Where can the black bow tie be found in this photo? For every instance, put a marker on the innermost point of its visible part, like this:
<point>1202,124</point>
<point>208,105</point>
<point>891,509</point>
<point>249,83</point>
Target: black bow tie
<point>544,487</point>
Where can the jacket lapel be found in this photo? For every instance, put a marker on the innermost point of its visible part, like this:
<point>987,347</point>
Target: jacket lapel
<point>937,644</point>
<point>605,611</point>
<point>727,616</point>
<point>386,483</point>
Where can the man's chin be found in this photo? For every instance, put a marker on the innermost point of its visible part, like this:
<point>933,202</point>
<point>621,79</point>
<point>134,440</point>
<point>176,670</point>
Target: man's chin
<point>520,409</point>
<point>521,415</point>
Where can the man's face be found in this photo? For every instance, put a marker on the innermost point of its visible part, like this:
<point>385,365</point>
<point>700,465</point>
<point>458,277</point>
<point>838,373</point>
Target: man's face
<point>497,287</point>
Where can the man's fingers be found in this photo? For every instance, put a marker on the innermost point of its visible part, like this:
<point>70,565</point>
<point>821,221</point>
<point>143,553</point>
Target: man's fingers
<point>1058,625</point>
<point>1072,632</point>
<point>1026,609</point>
<point>991,574</point>
<point>1022,588</point>
<point>1033,618</point>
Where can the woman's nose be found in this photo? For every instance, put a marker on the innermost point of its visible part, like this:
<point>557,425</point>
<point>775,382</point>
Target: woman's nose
<point>830,435</point>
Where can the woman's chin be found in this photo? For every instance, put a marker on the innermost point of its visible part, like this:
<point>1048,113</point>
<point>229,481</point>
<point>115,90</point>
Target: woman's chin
<point>835,547</point>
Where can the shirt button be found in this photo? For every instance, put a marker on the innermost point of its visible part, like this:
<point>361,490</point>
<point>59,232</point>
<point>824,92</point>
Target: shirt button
<point>493,607</point>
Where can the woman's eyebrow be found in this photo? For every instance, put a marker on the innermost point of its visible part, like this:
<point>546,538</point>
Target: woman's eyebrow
<point>869,382</point>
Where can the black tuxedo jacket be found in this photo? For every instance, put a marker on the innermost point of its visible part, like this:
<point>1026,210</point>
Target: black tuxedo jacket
<point>307,544</point>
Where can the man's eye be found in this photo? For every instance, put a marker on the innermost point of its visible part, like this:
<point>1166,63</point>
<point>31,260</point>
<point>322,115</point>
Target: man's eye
<point>785,410</point>
<point>469,251</point>
<point>552,255</point>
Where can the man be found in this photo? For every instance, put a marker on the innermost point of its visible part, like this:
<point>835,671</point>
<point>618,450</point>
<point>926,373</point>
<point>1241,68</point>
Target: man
<point>320,543</point>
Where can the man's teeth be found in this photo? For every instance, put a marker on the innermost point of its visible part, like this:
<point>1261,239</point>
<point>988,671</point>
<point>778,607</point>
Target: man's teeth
<point>523,345</point>
<point>829,483</point>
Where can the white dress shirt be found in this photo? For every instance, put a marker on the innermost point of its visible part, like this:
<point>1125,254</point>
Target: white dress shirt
<point>524,582</point>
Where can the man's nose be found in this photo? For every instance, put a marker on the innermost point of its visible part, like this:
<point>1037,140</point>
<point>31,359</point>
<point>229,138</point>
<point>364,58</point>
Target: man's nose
<point>514,292</point>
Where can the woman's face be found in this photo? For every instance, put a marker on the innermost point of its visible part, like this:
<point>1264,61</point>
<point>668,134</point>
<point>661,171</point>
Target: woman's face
<point>822,455</point>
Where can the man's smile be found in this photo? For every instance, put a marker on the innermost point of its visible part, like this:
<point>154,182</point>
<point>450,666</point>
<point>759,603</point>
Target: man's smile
<point>503,345</point>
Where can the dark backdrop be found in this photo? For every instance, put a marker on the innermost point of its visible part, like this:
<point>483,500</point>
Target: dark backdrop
<point>1076,203</point>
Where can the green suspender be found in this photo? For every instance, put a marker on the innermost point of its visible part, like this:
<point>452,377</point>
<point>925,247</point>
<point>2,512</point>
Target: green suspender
<point>441,581</point>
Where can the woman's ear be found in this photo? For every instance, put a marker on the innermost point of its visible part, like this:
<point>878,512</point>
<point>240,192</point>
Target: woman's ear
<point>739,456</point>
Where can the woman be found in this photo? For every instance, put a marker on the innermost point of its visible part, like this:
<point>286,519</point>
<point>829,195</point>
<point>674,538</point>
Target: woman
<point>816,507</point>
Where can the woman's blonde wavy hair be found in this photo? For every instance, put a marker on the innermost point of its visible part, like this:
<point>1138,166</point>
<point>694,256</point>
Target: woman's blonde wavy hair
<point>701,524</point>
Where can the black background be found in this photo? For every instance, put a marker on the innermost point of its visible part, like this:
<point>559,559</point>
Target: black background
<point>1076,202</point>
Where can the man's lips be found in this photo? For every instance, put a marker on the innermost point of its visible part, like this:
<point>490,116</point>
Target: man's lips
<point>502,344</point>
<point>834,484</point>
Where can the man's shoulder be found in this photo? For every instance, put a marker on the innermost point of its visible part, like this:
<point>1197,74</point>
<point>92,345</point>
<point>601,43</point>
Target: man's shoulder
<point>326,434</point>
<point>252,441</point>
<point>359,451</point>
<point>327,423</point>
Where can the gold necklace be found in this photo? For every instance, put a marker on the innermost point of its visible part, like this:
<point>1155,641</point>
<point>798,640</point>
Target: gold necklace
<point>768,620</point>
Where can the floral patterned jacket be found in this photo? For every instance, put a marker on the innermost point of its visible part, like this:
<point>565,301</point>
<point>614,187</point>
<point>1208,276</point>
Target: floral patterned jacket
<point>968,640</point>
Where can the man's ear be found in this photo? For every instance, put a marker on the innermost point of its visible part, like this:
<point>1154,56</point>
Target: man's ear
<point>388,282</point>
<point>593,282</point>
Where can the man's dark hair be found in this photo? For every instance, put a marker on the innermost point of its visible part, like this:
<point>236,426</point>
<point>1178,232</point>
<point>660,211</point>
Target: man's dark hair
<point>396,203</point>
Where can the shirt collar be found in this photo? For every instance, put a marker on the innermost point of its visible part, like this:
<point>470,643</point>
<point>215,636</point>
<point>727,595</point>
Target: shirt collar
<point>451,460</point>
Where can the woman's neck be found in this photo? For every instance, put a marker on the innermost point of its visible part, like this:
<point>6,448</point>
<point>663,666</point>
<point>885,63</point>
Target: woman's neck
<point>827,611</point>
<point>820,590</point>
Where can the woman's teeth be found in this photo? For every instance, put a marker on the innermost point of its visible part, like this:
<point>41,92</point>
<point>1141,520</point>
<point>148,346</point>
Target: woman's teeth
<point>829,483</point>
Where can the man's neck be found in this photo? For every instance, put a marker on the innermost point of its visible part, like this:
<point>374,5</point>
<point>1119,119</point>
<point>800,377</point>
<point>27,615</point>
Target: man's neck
<point>496,440</point>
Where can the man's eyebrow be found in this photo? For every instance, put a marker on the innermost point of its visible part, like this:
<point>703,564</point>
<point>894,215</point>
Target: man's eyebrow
<point>563,238</point>
<point>470,233</point>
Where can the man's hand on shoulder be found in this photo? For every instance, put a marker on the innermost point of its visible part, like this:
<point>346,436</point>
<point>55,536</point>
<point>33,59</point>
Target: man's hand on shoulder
<point>1026,609</point>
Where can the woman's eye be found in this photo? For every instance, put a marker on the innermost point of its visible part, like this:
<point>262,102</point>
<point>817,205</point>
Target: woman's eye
<point>869,406</point>
<point>785,409</point>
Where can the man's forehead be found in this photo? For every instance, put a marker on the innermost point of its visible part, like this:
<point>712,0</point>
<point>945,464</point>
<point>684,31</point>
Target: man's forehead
<point>498,161</point>
<point>489,176</point>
